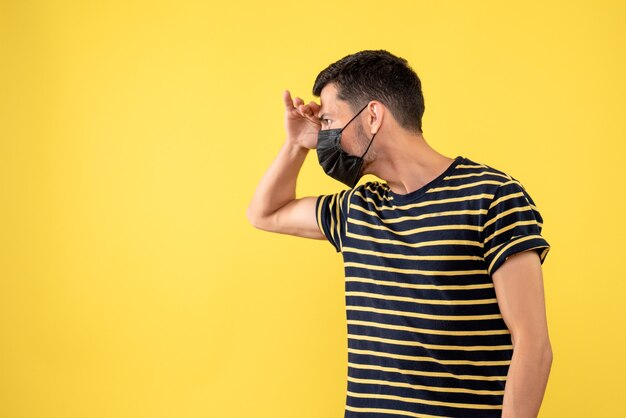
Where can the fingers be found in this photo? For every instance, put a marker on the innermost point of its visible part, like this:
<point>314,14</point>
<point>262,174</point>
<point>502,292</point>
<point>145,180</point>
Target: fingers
<point>287,100</point>
<point>290,103</point>
<point>309,110</point>
<point>314,107</point>
<point>302,108</point>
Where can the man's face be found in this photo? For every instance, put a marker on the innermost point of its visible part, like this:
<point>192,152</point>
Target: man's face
<point>335,114</point>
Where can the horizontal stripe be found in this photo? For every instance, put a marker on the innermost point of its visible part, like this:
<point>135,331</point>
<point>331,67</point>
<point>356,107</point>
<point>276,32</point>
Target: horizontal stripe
<point>471,166</point>
<point>415,230</point>
<point>422,315</point>
<point>421,401</point>
<point>425,387</point>
<point>429,331</point>
<point>420,217</point>
<point>504,198</point>
<point>508,246</point>
<point>505,213</point>
<point>411,257</point>
<point>423,301</point>
<point>493,249</point>
<point>482,173</point>
<point>429,359</point>
<point>422,373</point>
<point>440,287</point>
<point>423,204</point>
<point>415,271</point>
<point>413,244</point>
<point>431,346</point>
<point>381,197</point>
<point>509,227</point>
<point>463,186</point>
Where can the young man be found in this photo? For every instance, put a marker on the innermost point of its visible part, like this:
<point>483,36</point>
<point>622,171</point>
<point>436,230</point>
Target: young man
<point>444,287</point>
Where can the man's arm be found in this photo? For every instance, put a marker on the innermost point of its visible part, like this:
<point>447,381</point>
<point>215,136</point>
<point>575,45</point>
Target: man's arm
<point>519,291</point>
<point>274,206</point>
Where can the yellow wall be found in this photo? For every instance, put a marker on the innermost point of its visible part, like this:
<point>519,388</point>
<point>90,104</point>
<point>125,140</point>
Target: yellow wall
<point>132,137</point>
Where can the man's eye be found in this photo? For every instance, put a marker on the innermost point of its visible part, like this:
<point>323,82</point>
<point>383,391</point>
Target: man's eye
<point>326,121</point>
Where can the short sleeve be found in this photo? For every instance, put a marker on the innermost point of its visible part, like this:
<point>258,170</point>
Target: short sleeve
<point>331,210</point>
<point>513,224</point>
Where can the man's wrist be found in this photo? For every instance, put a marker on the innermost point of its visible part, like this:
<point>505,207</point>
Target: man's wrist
<point>294,147</point>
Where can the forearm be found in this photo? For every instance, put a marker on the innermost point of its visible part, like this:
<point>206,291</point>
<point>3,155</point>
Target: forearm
<point>526,380</point>
<point>278,185</point>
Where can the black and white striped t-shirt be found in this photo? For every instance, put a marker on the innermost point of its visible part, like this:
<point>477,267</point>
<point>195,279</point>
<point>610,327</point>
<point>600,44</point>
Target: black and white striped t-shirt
<point>426,337</point>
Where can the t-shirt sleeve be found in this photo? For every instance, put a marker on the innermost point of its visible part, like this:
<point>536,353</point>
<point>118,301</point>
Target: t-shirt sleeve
<point>331,211</point>
<point>513,224</point>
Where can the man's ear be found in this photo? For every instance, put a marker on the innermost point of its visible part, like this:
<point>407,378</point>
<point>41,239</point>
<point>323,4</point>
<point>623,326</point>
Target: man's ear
<point>376,113</point>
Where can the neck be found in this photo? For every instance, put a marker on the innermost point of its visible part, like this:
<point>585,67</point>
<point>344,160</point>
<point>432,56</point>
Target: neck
<point>406,162</point>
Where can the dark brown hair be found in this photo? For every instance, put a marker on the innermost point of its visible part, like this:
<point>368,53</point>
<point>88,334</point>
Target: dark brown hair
<point>377,75</point>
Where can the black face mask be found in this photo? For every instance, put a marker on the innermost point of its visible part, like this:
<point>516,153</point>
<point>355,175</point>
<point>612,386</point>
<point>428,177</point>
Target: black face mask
<point>334,160</point>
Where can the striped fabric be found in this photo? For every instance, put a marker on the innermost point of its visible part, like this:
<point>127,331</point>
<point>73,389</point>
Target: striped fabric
<point>426,337</point>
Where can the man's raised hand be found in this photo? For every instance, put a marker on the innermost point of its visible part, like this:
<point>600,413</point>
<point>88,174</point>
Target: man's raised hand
<point>301,121</point>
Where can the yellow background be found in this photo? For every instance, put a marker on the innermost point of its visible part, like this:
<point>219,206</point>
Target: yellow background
<point>133,134</point>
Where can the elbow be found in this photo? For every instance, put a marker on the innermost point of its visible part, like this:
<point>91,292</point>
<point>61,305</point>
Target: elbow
<point>256,220</point>
<point>252,217</point>
<point>539,347</point>
<point>542,360</point>
<point>543,355</point>
<point>546,359</point>
<point>546,352</point>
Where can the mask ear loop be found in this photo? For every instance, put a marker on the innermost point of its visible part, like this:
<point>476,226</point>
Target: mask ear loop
<point>361,161</point>
<point>354,117</point>
<point>368,147</point>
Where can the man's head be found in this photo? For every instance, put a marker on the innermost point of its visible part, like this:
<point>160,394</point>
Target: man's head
<point>376,75</point>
